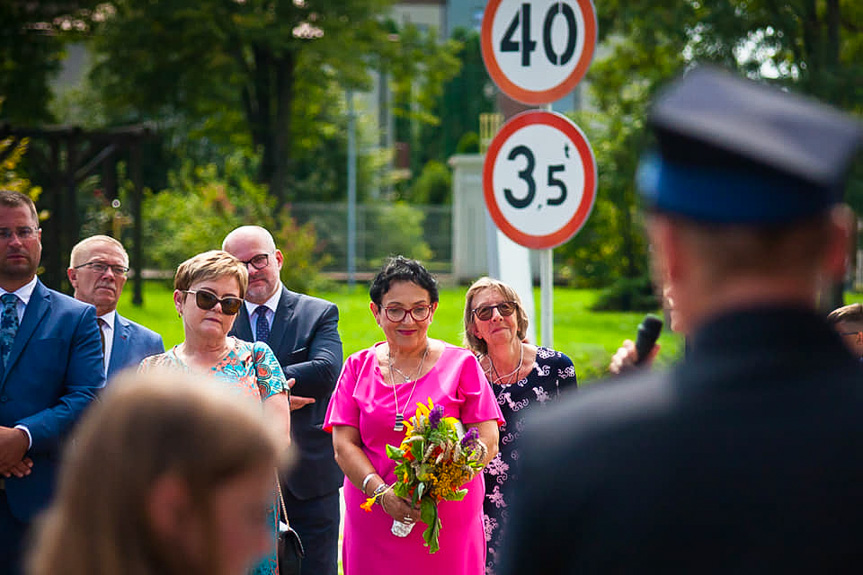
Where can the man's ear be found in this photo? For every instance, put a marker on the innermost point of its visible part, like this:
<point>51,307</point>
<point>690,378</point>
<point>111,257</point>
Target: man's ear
<point>280,259</point>
<point>72,274</point>
<point>841,244</point>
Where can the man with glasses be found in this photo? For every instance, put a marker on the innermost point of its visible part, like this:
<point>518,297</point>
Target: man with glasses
<point>50,371</point>
<point>97,271</point>
<point>303,333</point>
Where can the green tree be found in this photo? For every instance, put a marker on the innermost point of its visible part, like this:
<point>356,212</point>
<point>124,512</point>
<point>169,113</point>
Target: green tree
<point>464,98</point>
<point>247,73</point>
<point>32,38</point>
<point>812,46</point>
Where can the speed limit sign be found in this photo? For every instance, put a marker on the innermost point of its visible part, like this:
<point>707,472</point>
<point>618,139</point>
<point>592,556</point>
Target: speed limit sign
<point>536,51</point>
<point>539,179</point>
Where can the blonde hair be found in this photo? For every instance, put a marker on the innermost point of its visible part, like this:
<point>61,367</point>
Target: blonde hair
<point>148,425</point>
<point>210,265</point>
<point>82,246</point>
<point>471,341</point>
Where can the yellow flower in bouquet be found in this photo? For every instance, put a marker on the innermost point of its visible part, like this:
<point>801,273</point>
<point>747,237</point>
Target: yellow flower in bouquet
<point>433,461</point>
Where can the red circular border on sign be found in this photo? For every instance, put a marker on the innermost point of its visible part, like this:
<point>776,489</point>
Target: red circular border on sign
<point>578,219</point>
<point>542,96</point>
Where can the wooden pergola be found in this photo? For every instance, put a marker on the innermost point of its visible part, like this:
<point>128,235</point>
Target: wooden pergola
<point>64,157</point>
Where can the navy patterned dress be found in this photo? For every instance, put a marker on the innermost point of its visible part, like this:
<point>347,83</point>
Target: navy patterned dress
<point>552,372</point>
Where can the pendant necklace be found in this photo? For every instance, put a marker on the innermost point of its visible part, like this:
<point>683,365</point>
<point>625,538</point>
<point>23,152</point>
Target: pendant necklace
<point>497,378</point>
<point>400,416</point>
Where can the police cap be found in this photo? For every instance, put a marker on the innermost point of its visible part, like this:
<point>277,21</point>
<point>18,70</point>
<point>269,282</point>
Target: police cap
<point>732,150</point>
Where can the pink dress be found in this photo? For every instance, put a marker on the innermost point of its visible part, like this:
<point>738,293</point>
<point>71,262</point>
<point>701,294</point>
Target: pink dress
<point>363,400</point>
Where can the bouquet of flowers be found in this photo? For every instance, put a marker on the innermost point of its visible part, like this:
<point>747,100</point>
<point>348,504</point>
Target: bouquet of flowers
<point>433,461</point>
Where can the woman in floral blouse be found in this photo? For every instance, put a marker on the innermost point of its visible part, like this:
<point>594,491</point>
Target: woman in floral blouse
<point>523,377</point>
<point>208,292</point>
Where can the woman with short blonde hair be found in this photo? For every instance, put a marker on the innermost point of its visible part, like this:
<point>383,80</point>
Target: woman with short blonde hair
<point>208,294</point>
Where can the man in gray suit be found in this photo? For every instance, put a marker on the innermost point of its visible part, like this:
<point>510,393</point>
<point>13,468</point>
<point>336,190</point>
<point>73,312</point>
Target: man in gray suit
<point>97,271</point>
<point>744,458</point>
<point>303,333</point>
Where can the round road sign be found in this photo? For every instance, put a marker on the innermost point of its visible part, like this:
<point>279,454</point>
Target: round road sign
<point>536,51</point>
<point>539,179</point>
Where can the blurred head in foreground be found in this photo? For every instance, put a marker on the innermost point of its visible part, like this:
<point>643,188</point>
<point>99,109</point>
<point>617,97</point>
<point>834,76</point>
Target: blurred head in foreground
<point>166,475</point>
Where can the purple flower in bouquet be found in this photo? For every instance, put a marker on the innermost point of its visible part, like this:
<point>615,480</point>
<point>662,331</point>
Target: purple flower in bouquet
<point>470,438</point>
<point>436,416</point>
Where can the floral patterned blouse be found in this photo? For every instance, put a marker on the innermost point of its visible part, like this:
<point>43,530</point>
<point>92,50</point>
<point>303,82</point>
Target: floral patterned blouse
<point>252,370</point>
<point>552,372</point>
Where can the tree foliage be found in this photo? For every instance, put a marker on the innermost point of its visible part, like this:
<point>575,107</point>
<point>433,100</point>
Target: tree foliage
<point>812,46</point>
<point>259,73</point>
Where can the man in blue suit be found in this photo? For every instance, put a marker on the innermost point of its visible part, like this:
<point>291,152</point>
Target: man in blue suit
<point>303,333</point>
<point>97,271</point>
<point>50,370</point>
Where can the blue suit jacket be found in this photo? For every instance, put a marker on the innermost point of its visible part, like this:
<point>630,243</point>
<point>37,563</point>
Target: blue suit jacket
<point>132,343</point>
<point>305,339</point>
<point>53,372</point>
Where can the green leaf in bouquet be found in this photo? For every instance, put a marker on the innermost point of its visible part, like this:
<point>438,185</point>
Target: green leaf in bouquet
<point>394,452</point>
<point>456,495</point>
<point>429,516</point>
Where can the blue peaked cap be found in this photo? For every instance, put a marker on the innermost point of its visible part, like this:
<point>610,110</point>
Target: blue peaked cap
<point>731,150</point>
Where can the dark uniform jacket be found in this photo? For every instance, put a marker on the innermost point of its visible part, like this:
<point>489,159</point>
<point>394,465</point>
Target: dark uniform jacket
<point>745,458</point>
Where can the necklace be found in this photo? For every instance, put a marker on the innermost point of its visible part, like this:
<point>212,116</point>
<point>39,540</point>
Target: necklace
<point>400,416</point>
<point>497,378</point>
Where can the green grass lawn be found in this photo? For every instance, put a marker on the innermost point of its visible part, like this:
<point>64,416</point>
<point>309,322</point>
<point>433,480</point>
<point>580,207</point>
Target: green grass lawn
<point>589,338</point>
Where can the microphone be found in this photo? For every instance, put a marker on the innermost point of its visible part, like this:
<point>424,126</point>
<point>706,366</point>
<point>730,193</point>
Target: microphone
<point>648,332</point>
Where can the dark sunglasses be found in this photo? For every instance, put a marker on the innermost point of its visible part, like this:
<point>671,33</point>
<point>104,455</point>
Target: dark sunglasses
<point>505,309</point>
<point>206,300</point>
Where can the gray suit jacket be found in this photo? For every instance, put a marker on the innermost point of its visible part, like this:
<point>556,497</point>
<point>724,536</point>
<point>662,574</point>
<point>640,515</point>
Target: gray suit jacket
<point>305,339</point>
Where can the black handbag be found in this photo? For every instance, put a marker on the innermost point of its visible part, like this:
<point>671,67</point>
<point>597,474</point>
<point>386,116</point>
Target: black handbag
<point>290,550</point>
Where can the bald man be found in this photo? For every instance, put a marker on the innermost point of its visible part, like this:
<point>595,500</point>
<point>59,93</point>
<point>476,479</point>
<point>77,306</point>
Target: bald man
<point>303,333</point>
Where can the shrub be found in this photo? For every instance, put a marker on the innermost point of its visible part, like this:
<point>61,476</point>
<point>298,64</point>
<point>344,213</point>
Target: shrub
<point>628,294</point>
<point>202,204</point>
<point>434,185</point>
<point>400,231</point>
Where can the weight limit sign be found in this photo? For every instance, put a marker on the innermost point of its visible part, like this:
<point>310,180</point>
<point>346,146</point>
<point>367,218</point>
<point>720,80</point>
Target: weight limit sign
<point>537,51</point>
<point>539,179</point>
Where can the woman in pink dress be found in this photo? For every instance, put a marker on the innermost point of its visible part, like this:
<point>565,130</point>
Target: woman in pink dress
<point>378,389</point>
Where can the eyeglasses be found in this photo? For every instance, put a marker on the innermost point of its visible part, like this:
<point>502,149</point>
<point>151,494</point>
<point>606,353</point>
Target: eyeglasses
<point>856,334</point>
<point>100,268</point>
<point>25,233</point>
<point>397,314</point>
<point>258,262</point>
<point>206,300</point>
<point>505,309</point>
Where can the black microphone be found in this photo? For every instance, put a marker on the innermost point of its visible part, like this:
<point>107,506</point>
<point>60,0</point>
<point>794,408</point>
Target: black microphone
<point>648,332</point>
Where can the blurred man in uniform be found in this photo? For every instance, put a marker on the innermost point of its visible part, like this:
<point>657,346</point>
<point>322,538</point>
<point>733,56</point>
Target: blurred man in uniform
<point>745,456</point>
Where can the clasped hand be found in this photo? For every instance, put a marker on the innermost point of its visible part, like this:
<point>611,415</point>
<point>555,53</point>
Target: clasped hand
<point>13,448</point>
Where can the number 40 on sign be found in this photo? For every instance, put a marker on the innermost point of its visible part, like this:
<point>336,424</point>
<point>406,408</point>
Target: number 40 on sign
<point>537,51</point>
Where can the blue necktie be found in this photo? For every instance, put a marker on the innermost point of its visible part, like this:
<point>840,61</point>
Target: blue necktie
<point>262,328</point>
<point>8,324</point>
